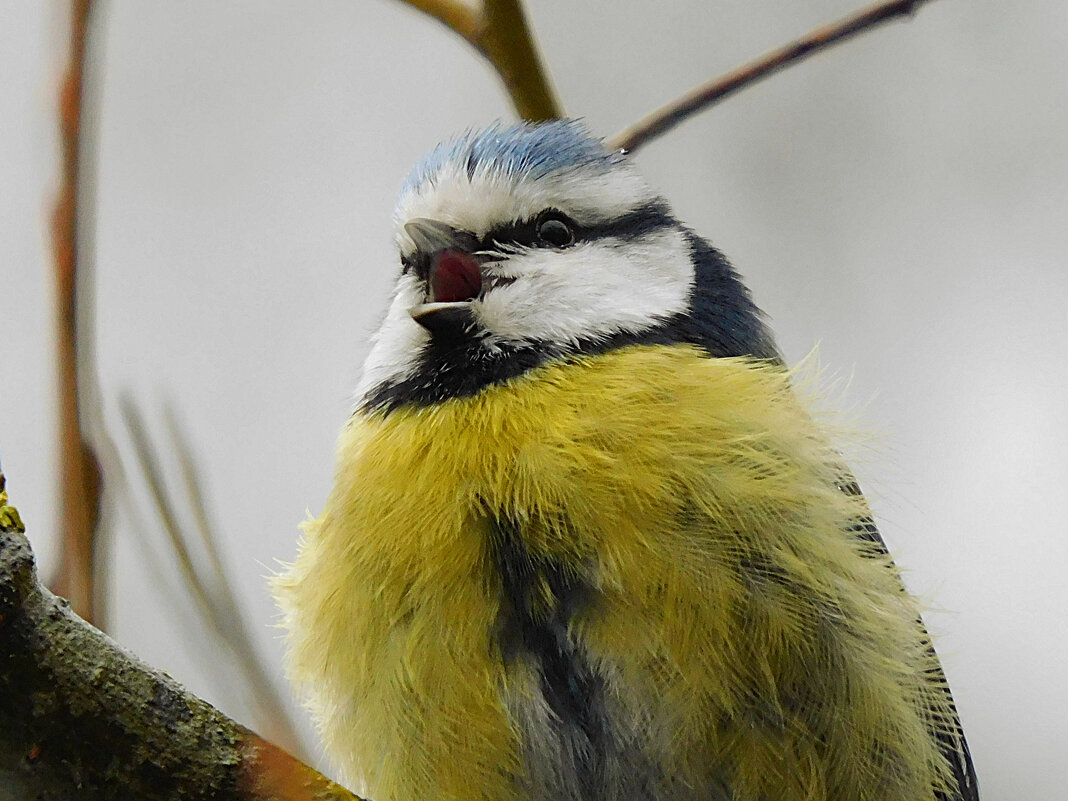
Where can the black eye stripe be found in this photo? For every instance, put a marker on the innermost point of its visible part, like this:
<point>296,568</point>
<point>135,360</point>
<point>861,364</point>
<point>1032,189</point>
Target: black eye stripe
<point>634,225</point>
<point>646,219</point>
<point>523,233</point>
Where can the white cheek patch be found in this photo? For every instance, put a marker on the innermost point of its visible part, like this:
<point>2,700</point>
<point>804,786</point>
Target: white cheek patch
<point>590,291</point>
<point>488,199</point>
<point>398,342</point>
<point>557,297</point>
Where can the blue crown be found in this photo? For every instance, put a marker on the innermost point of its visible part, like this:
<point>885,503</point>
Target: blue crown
<point>521,151</point>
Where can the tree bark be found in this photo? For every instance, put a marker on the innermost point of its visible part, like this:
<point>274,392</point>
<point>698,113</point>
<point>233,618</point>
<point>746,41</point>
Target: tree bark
<point>80,717</point>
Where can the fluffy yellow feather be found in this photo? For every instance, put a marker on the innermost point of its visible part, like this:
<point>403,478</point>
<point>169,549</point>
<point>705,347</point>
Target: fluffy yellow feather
<point>748,640</point>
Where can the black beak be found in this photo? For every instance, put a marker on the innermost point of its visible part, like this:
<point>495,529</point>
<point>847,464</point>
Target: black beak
<point>445,320</point>
<point>454,316</point>
<point>431,236</point>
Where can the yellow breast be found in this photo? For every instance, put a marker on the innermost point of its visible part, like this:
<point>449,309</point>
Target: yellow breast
<point>743,637</point>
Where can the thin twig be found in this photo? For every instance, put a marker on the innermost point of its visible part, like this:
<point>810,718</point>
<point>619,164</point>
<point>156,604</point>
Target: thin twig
<point>707,94</point>
<point>212,593</point>
<point>80,483</point>
<point>455,15</point>
<point>273,716</point>
<point>501,35</point>
<point>153,474</point>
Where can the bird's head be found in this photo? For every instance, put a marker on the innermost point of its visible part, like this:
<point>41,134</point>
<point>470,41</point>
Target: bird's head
<point>527,243</point>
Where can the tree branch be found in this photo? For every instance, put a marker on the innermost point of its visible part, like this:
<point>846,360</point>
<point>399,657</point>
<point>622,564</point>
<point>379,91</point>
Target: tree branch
<point>82,718</point>
<point>501,35</point>
<point>508,45</point>
<point>707,94</point>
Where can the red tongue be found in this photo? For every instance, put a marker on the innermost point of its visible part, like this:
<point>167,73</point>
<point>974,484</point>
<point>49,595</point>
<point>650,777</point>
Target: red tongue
<point>454,276</point>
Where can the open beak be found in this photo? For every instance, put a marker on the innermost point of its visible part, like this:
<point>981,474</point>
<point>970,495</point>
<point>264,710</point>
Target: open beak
<point>431,236</point>
<point>444,320</point>
<point>453,276</point>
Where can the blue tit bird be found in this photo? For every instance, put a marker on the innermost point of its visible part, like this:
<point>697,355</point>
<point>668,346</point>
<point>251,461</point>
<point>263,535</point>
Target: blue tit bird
<point>587,542</point>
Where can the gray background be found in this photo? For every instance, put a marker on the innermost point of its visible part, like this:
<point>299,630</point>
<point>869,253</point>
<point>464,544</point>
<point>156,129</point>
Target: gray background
<point>901,201</point>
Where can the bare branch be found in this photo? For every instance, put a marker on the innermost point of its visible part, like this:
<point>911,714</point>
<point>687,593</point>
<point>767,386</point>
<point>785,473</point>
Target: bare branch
<point>80,482</point>
<point>271,712</point>
<point>455,15</point>
<point>509,47</point>
<point>707,94</point>
<point>82,718</point>
<point>501,34</point>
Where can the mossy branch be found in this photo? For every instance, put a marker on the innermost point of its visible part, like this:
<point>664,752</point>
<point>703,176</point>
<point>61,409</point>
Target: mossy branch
<point>82,718</point>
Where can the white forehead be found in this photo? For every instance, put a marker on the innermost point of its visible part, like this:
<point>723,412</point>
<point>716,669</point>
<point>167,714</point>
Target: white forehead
<point>504,175</point>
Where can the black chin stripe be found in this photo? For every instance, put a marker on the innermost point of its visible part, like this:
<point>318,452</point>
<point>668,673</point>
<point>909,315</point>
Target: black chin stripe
<point>646,219</point>
<point>456,369</point>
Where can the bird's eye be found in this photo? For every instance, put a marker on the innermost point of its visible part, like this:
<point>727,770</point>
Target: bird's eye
<point>555,231</point>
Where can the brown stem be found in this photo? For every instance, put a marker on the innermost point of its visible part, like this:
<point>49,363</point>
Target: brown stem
<point>453,14</point>
<point>501,34</point>
<point>707,94</point>
<point>508,45</point>
<point>79,472</point>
